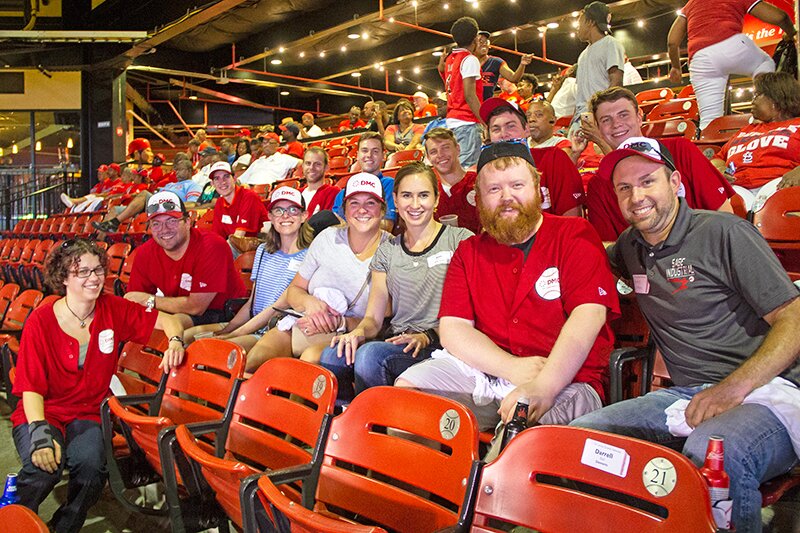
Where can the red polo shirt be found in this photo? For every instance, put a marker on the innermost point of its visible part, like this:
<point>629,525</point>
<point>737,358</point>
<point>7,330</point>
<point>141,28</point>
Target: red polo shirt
<point>521,305</point>
<point>460,201</point>
<point>246,212</point>
<point>701,184</point>
<point>206,266</point>
<point>347,125</point>
<point>48,359</point>
<point>562,188</point>
<point>323,199</point>
<point>294,148</point>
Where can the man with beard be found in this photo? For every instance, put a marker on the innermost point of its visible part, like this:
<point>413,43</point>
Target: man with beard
<point>317,194</point>
<point>524,306</point>
<point>182,270</point>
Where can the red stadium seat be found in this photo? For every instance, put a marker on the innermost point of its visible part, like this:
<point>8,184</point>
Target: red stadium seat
<point>33,272</point>
<point>722,129</point>
<point>670,128</point>
<point>779,222</point>
<point>542,481</point>
<point>337,151</point>
<point>339,165</point>
<point>396,458</point>
<point>674,109</point>
<point>686,92</point>
<point>121,283</point>
<point>404,157</point>
<point>277,418</point>
<point>196,391</point>
<point>649,98</point>
<point>8,293</point>
<point>23,519</point>
<point>116,258</point>
<point>244,265</point>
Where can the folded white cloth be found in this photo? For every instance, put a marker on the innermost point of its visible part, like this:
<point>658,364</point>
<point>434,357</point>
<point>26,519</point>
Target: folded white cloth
<point>780,396</point>
<point>487,388</point>
<point>333,297</point>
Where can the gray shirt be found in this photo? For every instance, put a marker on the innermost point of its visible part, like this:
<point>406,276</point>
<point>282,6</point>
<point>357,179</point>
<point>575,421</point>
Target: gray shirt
<point>593,65</point>
<point>415,279</point>
<point>704,291</point>
<point>330,263</point>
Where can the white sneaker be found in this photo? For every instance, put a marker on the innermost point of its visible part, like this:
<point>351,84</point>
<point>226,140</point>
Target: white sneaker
<point>66,200</point>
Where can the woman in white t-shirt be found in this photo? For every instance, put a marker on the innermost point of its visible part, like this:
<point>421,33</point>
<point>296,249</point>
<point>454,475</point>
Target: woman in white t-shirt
<point>331,287</point>
<point>408,274</point>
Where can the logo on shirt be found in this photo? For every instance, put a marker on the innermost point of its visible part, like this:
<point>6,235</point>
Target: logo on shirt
<point>548,286</point>
<point>471,198</point>
<point>545,197</point>
<point>680,273</point>
<point>186,281</point>
<point>226,219</point>
<point>601,292</point>
<point>105,341</point>
<point>747,158</point>
<point>203,284</point>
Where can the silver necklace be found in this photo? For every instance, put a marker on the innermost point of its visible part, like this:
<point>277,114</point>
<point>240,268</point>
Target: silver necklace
<point>81,320</point>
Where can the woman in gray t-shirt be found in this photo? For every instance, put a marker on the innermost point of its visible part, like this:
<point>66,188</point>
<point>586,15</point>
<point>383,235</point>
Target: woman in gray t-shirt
<point>408,273</point>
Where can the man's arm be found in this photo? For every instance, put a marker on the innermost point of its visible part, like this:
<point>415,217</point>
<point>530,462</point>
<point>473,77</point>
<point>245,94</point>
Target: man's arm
<point>195,304</point>
<point>781,348</point>
<point>569,352</point>
<point>774,15</point>
<point>515,75</point>
<point>615,75</point>
<point>676,35</point>
<point>471,97</point>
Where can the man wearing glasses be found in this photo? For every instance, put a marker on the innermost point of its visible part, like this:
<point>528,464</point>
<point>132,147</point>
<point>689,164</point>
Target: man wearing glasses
<point>183,270</point>
<point>239,212</point>
<point>272,166</point>
<point>561,185</point>
<point>524,305</point>
<point>724,315</point>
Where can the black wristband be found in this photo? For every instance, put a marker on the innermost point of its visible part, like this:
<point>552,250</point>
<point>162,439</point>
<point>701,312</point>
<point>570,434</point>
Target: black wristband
<point>41,435</point>
<point>433,337</point>
<point>176,338</point>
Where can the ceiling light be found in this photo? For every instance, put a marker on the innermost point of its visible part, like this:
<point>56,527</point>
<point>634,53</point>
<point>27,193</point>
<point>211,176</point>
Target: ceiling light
<point>376,65</point>
<point>281,49</point>
<point>552,25</point>
<point>437,53</point>
<point>446,5</point>
<point>416,70</point>
<point>14,148</point>
<point>572,34</point>
<point>284,93</point>
<point>382,69</point>
<point>576,14</point>
<point>414,3</point>
<point>575,24</point>
<point>38,146</point>
<point>193,97</point>
<point>353,34</point>
<point>640,23</point>
<point>302,54</point>
<point>343,49</point>
<point>356,74</point>
<point>364,35</point>
<point>391,19</point>
<point>419,87</point>
<point>400,78</point>
<point>322,54</point>
<point>70,144</point>
<point>276,61</point>
<point>398,72</point>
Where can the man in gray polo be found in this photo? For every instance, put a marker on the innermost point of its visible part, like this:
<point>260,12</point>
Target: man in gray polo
<point>725,316</point>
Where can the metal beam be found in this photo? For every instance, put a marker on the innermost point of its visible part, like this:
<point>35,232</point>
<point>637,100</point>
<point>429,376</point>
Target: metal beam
<point>187,23</point>
<point>151,128</point>
<point>74,36</point>
<point>139,100</point>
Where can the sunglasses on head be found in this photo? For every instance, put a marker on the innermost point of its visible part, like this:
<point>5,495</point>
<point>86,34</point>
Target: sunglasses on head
<point>647,148</point>
<point>162,207</point>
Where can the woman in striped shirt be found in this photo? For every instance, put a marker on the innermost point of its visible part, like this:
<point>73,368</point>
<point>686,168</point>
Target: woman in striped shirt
<point>408,273</point>
<point>275,265</point>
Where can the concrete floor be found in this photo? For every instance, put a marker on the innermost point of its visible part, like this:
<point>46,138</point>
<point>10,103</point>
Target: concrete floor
<point>109,516</point>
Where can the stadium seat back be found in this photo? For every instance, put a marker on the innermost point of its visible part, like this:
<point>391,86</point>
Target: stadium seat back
<point>20,308</point>
<point>674,109</point>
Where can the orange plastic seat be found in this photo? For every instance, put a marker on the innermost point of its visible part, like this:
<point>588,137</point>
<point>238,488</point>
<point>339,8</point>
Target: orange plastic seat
<point>196,391</point>
<point>339,164</point>
<point>675,108</point>
<point>686,92</point>
<point>779,222</point>
<point>116,254</point>
<point>407,478</point>
<point>23,519</point>
<point>121,283</point>
<point>670,128</point>
<point>244,265</point>
<point>649,98</point>
<point>540,481</point>
<point>337,151</point>
<point>266,430</point>
<point>33,272</point>
<point>404,157</point>
<point>722,129</point>
<point>8,293</point>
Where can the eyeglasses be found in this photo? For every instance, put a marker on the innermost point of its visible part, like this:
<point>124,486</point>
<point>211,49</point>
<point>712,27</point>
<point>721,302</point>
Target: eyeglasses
<point>158,225</point>
<point>646,148</point>
<point>292,211</point>
<point>84,273</point>
<point>521,141</point>
<point>167,206</point>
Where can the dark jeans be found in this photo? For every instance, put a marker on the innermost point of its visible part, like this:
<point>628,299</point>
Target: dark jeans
<point>83,456</point>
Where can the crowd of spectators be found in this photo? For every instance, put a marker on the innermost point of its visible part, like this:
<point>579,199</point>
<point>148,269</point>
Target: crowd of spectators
<point>481,273</point>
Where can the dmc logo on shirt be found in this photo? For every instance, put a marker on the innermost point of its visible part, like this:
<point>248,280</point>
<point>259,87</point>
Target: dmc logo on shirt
<point>680,273</point>
<point>471,198</point>
<point>186,281</point>
<point>548,285</point>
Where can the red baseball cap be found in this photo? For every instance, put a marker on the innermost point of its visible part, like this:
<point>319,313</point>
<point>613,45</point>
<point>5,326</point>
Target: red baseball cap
<point>490,104</point>
<point>115,167</point>
<point>102,168</point>
<point>137,145</point>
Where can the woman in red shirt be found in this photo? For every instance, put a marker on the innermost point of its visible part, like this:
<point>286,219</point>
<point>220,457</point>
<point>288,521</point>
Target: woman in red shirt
<point>67,357</point>
<point>765,156</point>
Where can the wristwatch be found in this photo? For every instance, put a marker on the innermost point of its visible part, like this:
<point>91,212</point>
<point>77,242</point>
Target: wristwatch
<point>177,338</point>
<point>151,303</point>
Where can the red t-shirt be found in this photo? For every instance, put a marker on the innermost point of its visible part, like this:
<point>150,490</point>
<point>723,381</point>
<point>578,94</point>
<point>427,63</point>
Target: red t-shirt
<point>460,201</point>
<point>170,177</point>
<point>427,111</point>
<point>521,305</point>
<point>206,266</point>
<point>562,188</point>
<point>246,212</point>
<point>514,97</point>
<point>294,148</point>
<point>457,106</point>
<point>323,199</point>
<point>762,152</point>
<point>99,187</point>
<point>347,125</point>
<point>708,23</point>
<point>48,359</point>
<point>701,184</point>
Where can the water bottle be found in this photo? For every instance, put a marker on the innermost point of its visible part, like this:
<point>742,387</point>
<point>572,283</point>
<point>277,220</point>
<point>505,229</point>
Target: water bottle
<point>517,424</point>
<point>10,495</point>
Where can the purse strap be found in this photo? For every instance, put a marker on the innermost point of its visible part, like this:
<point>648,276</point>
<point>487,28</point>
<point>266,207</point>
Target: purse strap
<point>360,291</point>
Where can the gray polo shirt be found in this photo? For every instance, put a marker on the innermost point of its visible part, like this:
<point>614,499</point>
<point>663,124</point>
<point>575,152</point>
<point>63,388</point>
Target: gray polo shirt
<point>704,291</point>
<point>593,65</point>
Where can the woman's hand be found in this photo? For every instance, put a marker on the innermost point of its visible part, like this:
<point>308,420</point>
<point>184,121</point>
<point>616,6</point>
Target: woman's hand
<point>172,357</point>
<point>413,341</point>
<point>347,344</point>
<point>319,317</point>
<point>47,459</point>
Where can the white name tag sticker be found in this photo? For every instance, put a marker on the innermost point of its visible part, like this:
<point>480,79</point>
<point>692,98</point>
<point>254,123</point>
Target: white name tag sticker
<point>186,281</point>
<point>226,219</point>
<point>105,341</point>
<point>442,258</point>
<point>605,457</point>
<point>641,284</point>
<point>294,265</point>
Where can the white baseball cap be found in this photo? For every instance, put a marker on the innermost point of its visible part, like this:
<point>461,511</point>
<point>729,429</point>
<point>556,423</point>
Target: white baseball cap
<point>364,182</point>
<point>288,194</point>
<point>220,166</point>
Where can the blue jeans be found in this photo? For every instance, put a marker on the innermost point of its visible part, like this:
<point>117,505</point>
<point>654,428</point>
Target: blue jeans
<point>85,459</point>
<point>469,141</point>
<point>376,363</point>
<point>757,445</point>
